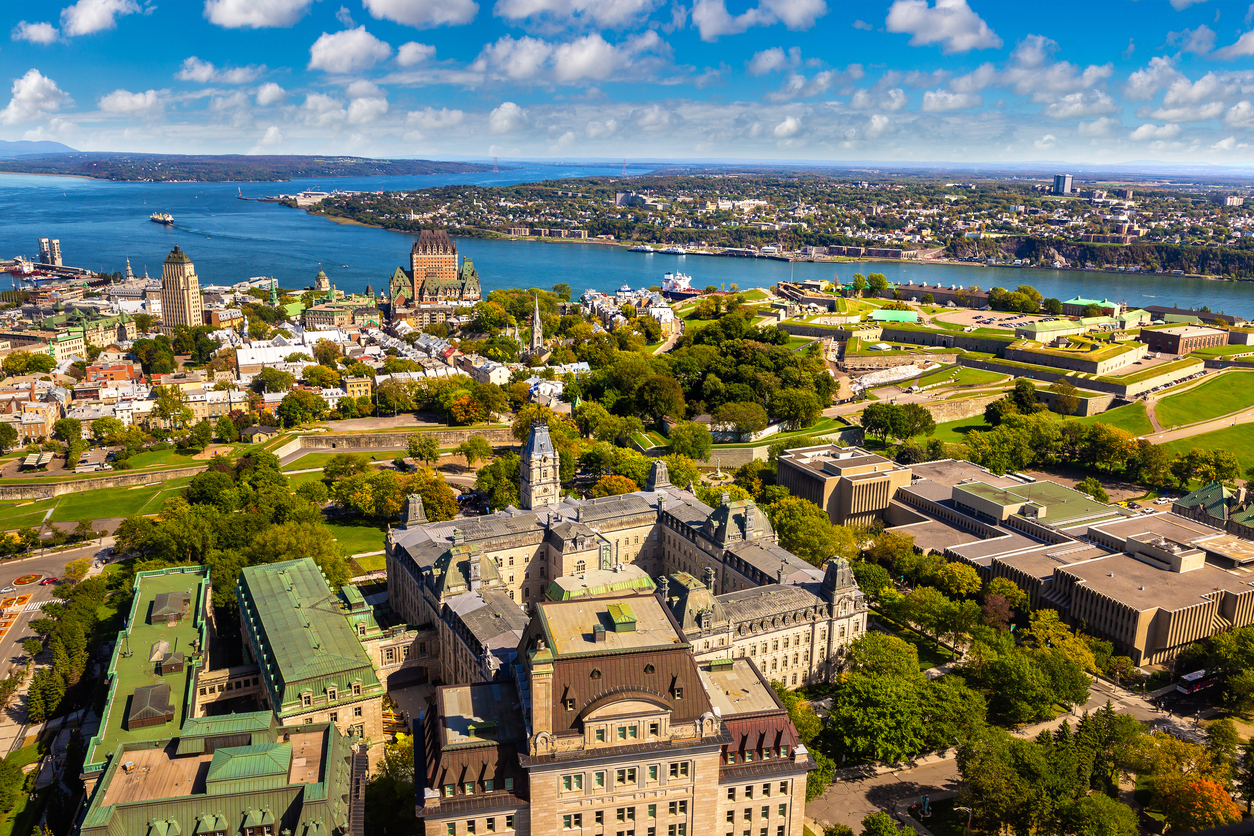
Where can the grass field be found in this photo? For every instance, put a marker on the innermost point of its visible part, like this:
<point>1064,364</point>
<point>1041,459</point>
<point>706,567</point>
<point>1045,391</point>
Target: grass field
<point>357,536</point>
<point>320,459</point>
<point>21,516</point>
<point>1224,393</point>
<point>823,425</point>
<point>964,376</point>
<point>116,502</point>
<point>1238,440</point>
<point>955,432</point>
<point>1130,417</point>
<point>373,563</point>
<point>164,458</point>
<point>796,343</point>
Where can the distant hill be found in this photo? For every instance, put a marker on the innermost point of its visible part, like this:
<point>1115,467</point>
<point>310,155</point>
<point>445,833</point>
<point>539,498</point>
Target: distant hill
<point>24,148</point>
<point>215,169</point>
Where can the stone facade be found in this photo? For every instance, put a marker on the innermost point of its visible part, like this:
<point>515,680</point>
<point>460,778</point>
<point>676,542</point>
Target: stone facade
<point>180,293</point>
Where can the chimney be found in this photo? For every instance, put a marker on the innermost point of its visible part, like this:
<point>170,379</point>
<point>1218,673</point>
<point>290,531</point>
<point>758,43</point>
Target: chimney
<point>541,690</point>
<point>665,588</point>
<point>782,567</point>
<point>709,578</point>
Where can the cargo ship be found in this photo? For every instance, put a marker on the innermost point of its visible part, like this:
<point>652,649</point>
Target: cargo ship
<point>678,286</point>
<point>163,218</point>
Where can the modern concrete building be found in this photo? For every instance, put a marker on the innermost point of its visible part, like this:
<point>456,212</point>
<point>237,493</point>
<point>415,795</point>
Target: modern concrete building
<point>852,485</point>
<point>180,293</point>
<point>607,724</point>
<point>1183,339</point>
<point>1062,184</point>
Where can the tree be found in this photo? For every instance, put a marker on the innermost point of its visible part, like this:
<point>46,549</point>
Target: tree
<point>877,282</point>
<point>805,529</point>
<point>660,396</point>
<point>106,430</point>
<point>877,419</point>
<point>1066,397</point>
<point>424,447</point>
<point>293,540</point>
<point>795,407</point>
<point>201,434</point>
<point>171,407</point>
<point>1245,774</point>
<point>744,417</point>
<point>270,379</point>
<point>76,570</point>
<point>31,647</point>
<point>1199,804</point>
<point>1023,396</point>
<point>878,654</point>
<point>680,469</point>
<point>1008,590</point>
<point>8,437</point>
<point>688,438</point>
<point>1223,740</point>
<point>322,377</point>
<point>612,485</point>
<point>1093,488</point>
<point>878,717</point>
<point>950,711</point>
<point>327,352</point>
<point>1097,814</point>
<point>859,287</point>
<point>881,824</point>
<point>68,430</point>
<point>1052,306</point>
<point>226,429</point>
<point>958,579</point>
<point>474,449</point>
<point>499,480</point>
<point>912,419</point>
<point>1020,691</point>
<point>890,550</point>
<point>299,406</point>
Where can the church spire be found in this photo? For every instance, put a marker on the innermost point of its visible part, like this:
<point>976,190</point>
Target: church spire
<point>537,329</point>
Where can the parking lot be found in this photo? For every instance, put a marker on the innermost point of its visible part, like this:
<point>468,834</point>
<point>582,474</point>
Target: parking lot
<point>987,319</point>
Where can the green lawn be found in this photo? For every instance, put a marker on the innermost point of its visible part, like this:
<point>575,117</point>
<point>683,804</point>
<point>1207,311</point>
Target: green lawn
<point>21,820</point>
<point>955,432</point>
<point>116,502</point>
<point>1130,417</point>
<point>22,516</point>
<point>931,654</point>
<point>301,478</point>
<point>962,376</point>
<point>1224,393</point>
<point>823,425</point>
<point>373,563</point>
<point>799,342</point>
<point>357,536</point>
<point>164,458</point>
<point>1238,440</point>
<point>1223,350</point>
<point>310,460</point>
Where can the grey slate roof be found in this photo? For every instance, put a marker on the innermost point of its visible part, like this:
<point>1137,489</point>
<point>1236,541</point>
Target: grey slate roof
<point>767,602</point>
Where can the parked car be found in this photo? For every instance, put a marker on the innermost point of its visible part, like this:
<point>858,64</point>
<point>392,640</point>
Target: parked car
<point>9,589</point>
<point>48,581</point>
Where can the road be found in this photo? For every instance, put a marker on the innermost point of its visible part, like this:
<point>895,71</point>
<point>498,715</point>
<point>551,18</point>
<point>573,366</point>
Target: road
<point>1242,417</point>
<point>848,801</point>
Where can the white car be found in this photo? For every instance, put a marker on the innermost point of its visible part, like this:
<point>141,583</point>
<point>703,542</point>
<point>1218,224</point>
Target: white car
<point>9,589</point>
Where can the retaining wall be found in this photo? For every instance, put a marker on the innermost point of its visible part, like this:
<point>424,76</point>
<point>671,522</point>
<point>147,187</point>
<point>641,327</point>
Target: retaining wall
<point>943,411</point>
<point>733,457</point>
<point>116,480</point>
<point>945,339</point>
<point>447,438</point>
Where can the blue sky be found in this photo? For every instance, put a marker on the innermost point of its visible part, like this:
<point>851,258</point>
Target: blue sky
<point>945,80</point>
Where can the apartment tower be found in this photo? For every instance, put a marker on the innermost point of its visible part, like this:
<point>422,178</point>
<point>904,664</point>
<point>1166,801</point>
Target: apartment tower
<point>180,293</point>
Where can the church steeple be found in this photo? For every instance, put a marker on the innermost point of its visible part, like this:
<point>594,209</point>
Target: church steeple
<point>537,329</point>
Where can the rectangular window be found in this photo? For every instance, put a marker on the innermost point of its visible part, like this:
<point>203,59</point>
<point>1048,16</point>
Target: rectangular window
<point>749,791</point>
<point>779,831</point>
<point>509,822</point>
<point>468,788</point>
<point>747,814</point>
<point>679,693</point>
<point>509,785</point>
<point>567,781</point>
<point>600,817</point>
<point>356,689</point>
<point>599,735</point>
<point>679,808</point>
<point>653,811</point>
<point>731,793</point>
<point>654,729</point>
<point>470,826</point>
<point>731,816</point>
<point>357,711</point>
<point>491,825</point>
<point>569,704</point>
<point>783,788</point>
<point>448,790</point>
<point>335,716</point>
<point>622,733</point>
<point>653,772</point>
<point>766,812</point>
<point>783,810</point>
<point>567,821</point>
<point>625,776</point>
<point>451,829</point>
<point>631,732</point>
<point>626,814</point>
<point>598,780</point>
<point>488,785</point>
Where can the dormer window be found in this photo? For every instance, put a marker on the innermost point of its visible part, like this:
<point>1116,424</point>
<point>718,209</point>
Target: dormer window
<point>331,693</point>
<point>306,700</point>
<point>356,689</point>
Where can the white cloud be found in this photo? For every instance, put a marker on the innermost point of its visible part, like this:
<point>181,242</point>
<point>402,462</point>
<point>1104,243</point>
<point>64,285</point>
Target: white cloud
<point>348,51</point>
<point>877,125</point>
<point>713,20</point>
<point>976,80</point>
<point>1179,5</point>
<point>1148,131</point>
<point>797,86</point>
<point>345,17</point>
<point>414,53</point>
<point>1047,141</point>
<point>368,109</point>
<point>203,72</point>
<point>128,103</point>
<point>1244,46</point>
<point>1190,113</point>
<point>599,130</point>
<point>88,16</point>
<point>894,99</point>
<point>1144,84</point>
<point>507,118</point>
<point>608,14</point>
<point>1106,126</point>
<point>36,33</point>
<point>768,61</point>
<point>323,111</point>
<point>951,23</point>
<point>34,96</point>
<point>1031,73</point>
<point>423,14</point>
<point>1225,144</point>
<point>255,14</point>
<point>863,25</point>
<point>789,127</point>
<point>273,136</point>
<point>653,117</point>
<point>935,101</point>
<point>430,119</point>
<point>270,93</point>
<point>1080,104</point>
<point>1241,115</point>
<point>588,57</point>
<point>1199,41</point>
<point>362,88</point>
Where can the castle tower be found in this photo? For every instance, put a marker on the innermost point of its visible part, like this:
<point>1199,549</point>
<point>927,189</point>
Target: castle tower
<point>180,292</point>
<point>321,282</point>
<point>537,329</point>
<point>433,257</point>
<point>539,480</point>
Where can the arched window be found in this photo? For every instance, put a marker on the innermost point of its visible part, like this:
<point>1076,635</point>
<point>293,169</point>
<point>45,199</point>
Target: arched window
<point>580,567</point>
<point>596,673</point>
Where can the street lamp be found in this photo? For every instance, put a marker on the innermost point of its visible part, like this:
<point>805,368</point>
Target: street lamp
<point>966,810</point>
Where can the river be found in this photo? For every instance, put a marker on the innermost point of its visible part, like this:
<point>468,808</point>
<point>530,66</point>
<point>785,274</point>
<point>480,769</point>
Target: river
<point>102,223</point>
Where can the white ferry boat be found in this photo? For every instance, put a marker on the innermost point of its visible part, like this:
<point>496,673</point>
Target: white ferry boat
<point>640,248</point>
<point>674,251</point>
<point>163,218</point>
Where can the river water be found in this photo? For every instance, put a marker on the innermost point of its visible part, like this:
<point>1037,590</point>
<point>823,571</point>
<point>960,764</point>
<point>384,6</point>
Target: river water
<point>100,224</point>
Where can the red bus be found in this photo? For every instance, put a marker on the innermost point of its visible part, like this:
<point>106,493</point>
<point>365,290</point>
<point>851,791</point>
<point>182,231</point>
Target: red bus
<point>1193,682</point>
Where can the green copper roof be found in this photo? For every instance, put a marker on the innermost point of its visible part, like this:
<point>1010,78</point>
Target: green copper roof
<point>177,256</point>
<point>244,762</point>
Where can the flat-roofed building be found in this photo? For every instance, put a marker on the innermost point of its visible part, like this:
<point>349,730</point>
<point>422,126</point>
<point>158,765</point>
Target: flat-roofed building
<point>853,486</point>
<point>608,722</point>
<point>236,774</point>
<point>1183,339</point>
<point>308,644</point>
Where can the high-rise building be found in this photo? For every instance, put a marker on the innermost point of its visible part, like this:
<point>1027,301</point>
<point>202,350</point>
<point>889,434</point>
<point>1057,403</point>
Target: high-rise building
<point>1062,184</point>
<point>50,251</point>
<point>540,480</point>
<point>436,273</point>
<point>180,293</point>
<point>434,256</point>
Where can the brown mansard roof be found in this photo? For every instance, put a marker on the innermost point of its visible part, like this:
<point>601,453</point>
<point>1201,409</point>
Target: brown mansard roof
<point>435,242</point>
